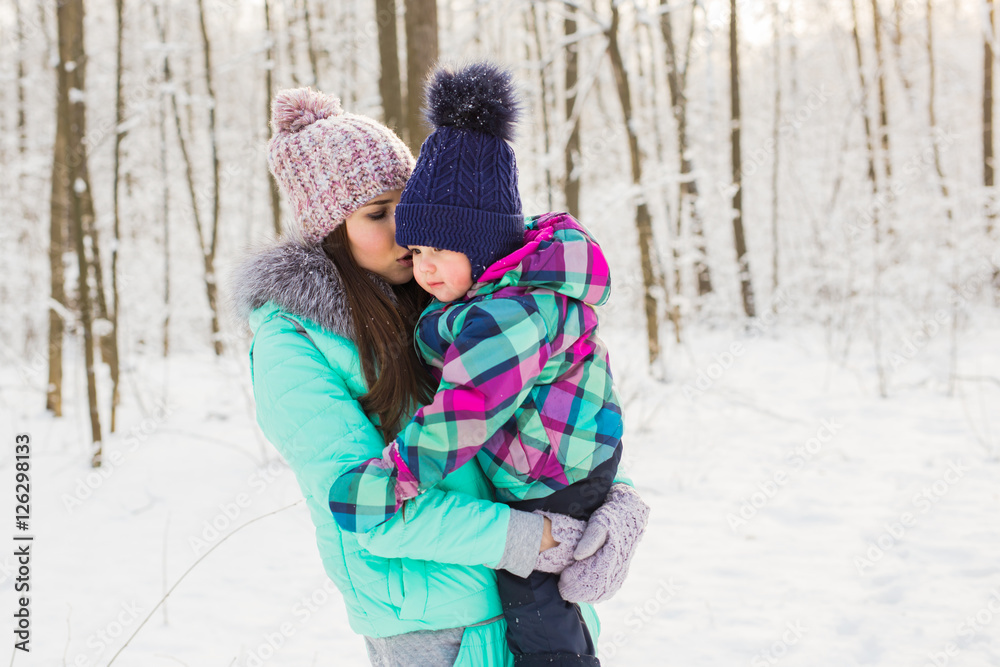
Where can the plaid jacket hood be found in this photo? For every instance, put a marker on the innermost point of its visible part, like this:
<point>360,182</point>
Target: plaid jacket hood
<point>525,385</point>
<point>560,255</point>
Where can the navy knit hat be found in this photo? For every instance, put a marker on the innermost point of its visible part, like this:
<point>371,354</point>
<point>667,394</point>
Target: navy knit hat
<point>463,193</point>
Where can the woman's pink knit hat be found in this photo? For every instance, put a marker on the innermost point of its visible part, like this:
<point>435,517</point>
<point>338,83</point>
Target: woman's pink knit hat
<point>327,162</point>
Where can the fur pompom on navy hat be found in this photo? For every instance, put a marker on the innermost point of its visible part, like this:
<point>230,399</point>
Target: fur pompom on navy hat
<point>463,193</point>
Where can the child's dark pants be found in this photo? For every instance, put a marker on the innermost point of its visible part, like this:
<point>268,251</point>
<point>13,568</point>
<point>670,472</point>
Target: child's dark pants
<point>542,628</point>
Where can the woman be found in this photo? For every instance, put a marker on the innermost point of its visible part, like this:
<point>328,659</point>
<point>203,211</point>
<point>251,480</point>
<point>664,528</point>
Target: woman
<point>334,376</point>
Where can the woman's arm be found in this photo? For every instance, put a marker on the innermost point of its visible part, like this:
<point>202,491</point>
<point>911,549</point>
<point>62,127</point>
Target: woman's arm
<point>487,373</point>
<point>460,521</point>
<point>305,409</point>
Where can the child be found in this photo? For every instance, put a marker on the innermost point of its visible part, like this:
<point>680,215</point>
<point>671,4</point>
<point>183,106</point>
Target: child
<point>524,382</point>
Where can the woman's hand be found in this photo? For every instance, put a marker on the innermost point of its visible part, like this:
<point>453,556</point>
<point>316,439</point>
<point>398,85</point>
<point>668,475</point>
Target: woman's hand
<point>547,540</point>
<point>563,533</point>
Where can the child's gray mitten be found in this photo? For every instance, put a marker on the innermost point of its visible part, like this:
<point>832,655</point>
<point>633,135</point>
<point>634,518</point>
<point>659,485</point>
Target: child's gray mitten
<point>605,551</point>
<point>567,531</point>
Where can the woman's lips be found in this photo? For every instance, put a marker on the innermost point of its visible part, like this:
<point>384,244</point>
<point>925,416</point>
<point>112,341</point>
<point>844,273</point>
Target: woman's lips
<point>406,261</point>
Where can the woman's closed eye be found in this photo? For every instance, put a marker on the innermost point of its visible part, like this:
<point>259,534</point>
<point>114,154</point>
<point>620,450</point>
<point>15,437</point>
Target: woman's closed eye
<point>378,215</point>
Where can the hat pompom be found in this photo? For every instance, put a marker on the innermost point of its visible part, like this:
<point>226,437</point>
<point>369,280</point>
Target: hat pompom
<point>297,108</point>
<point>478,97</point>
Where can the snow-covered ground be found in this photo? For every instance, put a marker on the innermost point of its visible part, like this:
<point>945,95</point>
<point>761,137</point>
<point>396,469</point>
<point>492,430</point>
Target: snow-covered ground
<point>797,519</point>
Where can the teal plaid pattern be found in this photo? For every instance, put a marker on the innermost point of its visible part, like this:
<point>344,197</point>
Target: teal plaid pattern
<point>525,383</point>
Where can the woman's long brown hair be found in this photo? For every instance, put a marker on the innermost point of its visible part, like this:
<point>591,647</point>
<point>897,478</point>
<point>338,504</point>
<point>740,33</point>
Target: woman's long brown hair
<point>397,381</point>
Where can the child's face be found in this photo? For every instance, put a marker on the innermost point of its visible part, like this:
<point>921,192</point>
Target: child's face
<point>444,274</point>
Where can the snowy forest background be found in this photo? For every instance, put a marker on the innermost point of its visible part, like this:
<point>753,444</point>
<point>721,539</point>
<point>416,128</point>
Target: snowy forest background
<point>798,202</point>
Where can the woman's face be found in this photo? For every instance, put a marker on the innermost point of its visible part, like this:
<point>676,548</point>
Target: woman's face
<point>371,231</point>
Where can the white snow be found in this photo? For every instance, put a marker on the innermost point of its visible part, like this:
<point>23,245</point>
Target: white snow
<point>102,327</point>
<point>797,520</point>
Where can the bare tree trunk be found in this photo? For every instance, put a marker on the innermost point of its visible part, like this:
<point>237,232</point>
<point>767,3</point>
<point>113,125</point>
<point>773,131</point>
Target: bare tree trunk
<point>58,245</point>
<point>389,85</point>
<point>479,30</point>
<point>28,208</point>
<point>421,54</point>
<point>209,252</point>
<point>746,287</point>
<point>897,42</point>
<point>571,185</point>
<point>793,55</point>
<point>81,187</point>
<point>165,197</point>
<point>187,80</point>
<point>22,128</point>
<point>876,230</point>
<point>883,110</point>
<point>643,220</point>
<point>51,51</point>
<point>688,205</point>
<point>988,118</point>
<point>544,101</point>
<point>350,85</point>
<point>70,29</point>
<point>269,93</point>
<point>932,119</point>
<point>687,198</point>
<point>112,340</point>
<point>292,14</point>
<point>310,47</point>
<point>101,302</point>
<point>646,57</point>
<point>164,180</point>
<point>776,139</point>
<point>322,38</point>
<point>872,175</point>
<point>446,16</point>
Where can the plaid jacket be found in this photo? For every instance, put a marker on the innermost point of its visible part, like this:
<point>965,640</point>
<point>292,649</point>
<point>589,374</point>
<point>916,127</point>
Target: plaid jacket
<point>525,383</point>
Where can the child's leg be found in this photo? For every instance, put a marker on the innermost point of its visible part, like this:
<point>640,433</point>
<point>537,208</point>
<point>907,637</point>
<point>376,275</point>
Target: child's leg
<point>542,628</point>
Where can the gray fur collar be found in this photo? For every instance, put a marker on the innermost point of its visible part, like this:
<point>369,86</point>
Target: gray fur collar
<point>301,280</point>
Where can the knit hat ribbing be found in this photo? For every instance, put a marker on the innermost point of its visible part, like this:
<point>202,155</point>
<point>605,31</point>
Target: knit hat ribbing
<point>328,163</point>
<point>463,193</point>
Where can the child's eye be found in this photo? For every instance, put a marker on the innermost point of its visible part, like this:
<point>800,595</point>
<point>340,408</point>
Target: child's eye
<point>437,249</point>
<point>414,251</point>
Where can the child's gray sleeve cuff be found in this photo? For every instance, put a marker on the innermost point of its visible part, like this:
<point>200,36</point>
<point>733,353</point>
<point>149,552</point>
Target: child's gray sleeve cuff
<point>524,539</point>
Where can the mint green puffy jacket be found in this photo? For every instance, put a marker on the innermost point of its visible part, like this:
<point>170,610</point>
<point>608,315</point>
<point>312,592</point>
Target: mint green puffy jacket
<point>422,571</point>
